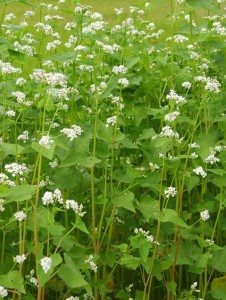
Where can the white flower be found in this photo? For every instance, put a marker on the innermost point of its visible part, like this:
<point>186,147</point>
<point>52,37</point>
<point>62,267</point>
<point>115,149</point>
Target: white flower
<point>72,132</point>
<point>212,159</point>
<point>20,81</point>
<point>170,192</point>
<point>46,264</point>
<point>72,298</point>
<point>75,207</point>
<point>200,171</point>
<point>193,287</point>
<point>23,136</point>
<point>146,234</point>
<point>91,263</point>
<point>16,169</point>
<point>173,96</point>
<point>205,215</point>
<point>119,70</point>
<point>3,292</point>
<point>10,113</point>
<point>46,141</point>
<point>124,82</point>
<point>111,121</point>
<point>20,216</point>
<point>20,258</point>
<point>54,164</point>
<point>1,204</point>
<point>171,117</point>
<point>48,198</point>
<point>186,84</point>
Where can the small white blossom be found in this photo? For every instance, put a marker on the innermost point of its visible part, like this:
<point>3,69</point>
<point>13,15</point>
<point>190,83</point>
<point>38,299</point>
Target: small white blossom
<point>1,204</point>
<point>170,192</point>
<point>72,132</point>
<point>48,198</point>
<point>16,169</point>
<point>75,207</point>
<point>72,298</point>
<point>124,82</point>
<point>46,142</point>
<point>119,70</point>
<point>46,264</point>
<point>54,164</point>
<point>20,258</point>
<point>212,159</point>
<point>20,216</point>
<point>111,121</point>
<point>23,136</point>
<point>205,215</point>
<point>3,292</point>
<point>186,84</point>
<point>91,263</point>
<point>200,171</point>
<point>171,117</point>
<point>10,113</point>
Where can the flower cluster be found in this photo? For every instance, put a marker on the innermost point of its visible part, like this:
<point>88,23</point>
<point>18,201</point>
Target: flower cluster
<point>52,197</point>
<point>73,132</point>
<point>46,264</point>
<point>146,234</point>
<point>91,263</point>
<point>170,192</point>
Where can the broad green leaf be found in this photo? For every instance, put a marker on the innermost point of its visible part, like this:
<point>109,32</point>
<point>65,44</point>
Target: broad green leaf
<point>146,134</point>
<point>113,82</point>
<point>124,200</point>
<point>140,242</point>
<point>80,159</point>
<point>108,259</point>
<point>191,182</point>
<point>218,260</point>
<point>138,113</point>
<point>218,288</point>
<point>80,225</point>
<point>13,280</point>
<point>21,193</point>
<point>11,149</point>
<point>130,261</point>
<point>170,215</point>
<point>71,276</point>
<point>206,141</point>
<point>46,152</point>
<point>149,207</point>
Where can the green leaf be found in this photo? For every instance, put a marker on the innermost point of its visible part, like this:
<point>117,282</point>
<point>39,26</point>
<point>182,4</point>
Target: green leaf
<point>170,215</point>
<point>80,225</point>
<point>191,182</point>
<point>146,134</point>
<point>113,82</point>
<point>80,159</point>
<point>124,200</point>
<point>149,207</point>
<point>48,153</point>
<point>218,288</point>
<point>13,280</point>
<point>71,276</point>
<point>218,260</point>
<point>130,261</point>
<point>11,149</point>
<point>21,193</point>
<point>108,259</point>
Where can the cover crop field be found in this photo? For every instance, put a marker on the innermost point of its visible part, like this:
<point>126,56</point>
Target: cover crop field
<point>113,150</point>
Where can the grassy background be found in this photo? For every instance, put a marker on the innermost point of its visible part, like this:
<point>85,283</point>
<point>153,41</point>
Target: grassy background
<point>159,9</point>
